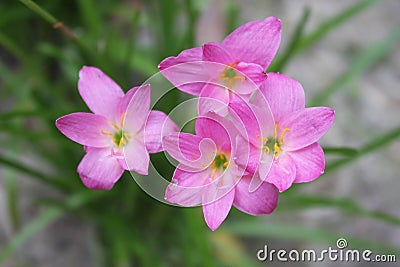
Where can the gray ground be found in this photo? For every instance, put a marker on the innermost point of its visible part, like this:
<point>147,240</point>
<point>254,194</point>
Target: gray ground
<point>370,106</point>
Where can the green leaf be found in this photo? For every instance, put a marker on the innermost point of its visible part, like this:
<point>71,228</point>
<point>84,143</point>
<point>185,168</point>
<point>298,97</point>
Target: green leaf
<point>279,64</point>
<point>378,143</point>
<point>361,63</point>
<point>41,177</point>
<point>344,151</point>
<point>345,205</point>
<point>333,23</point>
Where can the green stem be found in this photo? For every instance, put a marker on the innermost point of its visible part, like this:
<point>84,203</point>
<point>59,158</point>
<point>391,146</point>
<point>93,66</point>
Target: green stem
<point>34,173</point>
<point>376,144</point>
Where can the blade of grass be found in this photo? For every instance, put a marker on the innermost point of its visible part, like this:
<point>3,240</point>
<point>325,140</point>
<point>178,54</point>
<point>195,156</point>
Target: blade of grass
<point>344,151</point>
<point>66,31</point>
<point>279,64</point>
<point>332,24</point>
<point>344,205</point>
<point>39,176</point>
<point>361,63</point>
<point>372,146</point>
<point>11,46</point>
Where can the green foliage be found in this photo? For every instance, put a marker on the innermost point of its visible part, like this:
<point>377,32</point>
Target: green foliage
<point>42,48</point>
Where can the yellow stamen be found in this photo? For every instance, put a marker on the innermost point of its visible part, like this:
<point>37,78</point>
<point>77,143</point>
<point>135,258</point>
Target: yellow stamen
<point>283,133</point>
<point>277,149</point>
<point>267,149</point>
<point>121,121</point>
<point>106,133</point>
<point>121,141</point>
<point>114,125</point>
<point>225,164</point>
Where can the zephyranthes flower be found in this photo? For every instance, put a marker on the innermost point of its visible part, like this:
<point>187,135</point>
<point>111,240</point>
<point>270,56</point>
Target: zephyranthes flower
<point>239,65</point>
<point>119,135</point>
<point>281,133</point>
<point>208,175</point>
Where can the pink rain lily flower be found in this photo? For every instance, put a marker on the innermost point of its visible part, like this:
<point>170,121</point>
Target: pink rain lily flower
<point>222,70</point>
<point>119,135</point>
<point>207,174</point>
<point>282,133</point>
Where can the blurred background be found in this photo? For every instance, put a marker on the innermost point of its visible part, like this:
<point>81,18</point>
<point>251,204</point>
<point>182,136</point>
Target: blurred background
<point>345,53</point>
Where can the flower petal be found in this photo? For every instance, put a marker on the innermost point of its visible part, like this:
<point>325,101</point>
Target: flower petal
<point>214,98</point>
<point>218,129</point>
<point>306,126</point>
<point>186,188</point>
<point>136,157</point>
<point>85,129</point>
<point>282,173</point>
<point>190,150</point>
<point>246,122</point>
<point>100,93</point>
<point>310,163</point>
<point>138,109</point>
<point>99,170</point>
<point>158,125</point>
<point>261,201</point>
<point>247,156</point>
<point>215,52</point>
<point>254,76</point>
<point>215,212</point>
<point>283,94</point>
<point>255,42</point>
<point>186,71</point>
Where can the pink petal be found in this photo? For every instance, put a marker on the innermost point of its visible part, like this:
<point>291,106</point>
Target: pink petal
<point>261,201</point>
<point>255,42</point>
<point>186,188</point>
<point>283,94</point>
<point>218,129</point>
<point>85,129</point>
<point>138,109</point>
<point>188,55</point>
<point>100,93</point>
<point>215,212</point>
<point>310,163</point>
<point>124,103</point>
<point>99,170</point>
<point>282,173</point>
<point>136,157</point>
<point>306,126</point>
<point>186,71</point>
<point>215,52</point>
<point>265,165</point>
<point>246,122</point>
<point>190,150</point>
<point>247,156</point>
<point>214,98</point>
<point>158,125</point>
<point>254,76</point>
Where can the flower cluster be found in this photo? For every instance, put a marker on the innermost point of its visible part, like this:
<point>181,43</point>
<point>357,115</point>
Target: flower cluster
<point>253,138</point>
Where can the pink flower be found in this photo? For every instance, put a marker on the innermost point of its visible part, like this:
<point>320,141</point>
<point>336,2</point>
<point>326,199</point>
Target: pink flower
<point>222,70</point>
<point>207,174</point>
<point>119,135</point>
<point>282,133</point>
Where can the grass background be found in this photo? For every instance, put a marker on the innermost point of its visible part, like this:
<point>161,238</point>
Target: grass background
<point>48,218</point>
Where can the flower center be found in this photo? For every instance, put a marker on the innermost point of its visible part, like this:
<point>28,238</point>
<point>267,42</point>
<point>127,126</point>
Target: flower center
<point>229,76</point>
<point>220,162</point>
<point>273,144</point>
<point>119,137</point>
